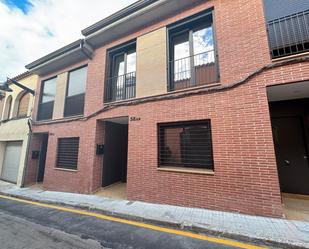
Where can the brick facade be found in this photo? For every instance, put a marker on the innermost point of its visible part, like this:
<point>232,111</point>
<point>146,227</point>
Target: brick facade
<point>245,173</point>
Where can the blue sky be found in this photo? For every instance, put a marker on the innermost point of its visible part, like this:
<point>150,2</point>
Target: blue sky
<point>31,29</point>
<point>23,5</point>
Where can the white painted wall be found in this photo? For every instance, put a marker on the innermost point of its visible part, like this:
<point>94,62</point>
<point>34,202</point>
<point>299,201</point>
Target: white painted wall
<point>17,130</point>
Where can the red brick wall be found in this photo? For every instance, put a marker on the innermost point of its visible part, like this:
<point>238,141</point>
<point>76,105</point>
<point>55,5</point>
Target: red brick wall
<point>245,178</point>
<point>98,161</point>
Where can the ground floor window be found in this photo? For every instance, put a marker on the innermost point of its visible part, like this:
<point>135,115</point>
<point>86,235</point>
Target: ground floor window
<point>67,154</point>
<point>185,144</point>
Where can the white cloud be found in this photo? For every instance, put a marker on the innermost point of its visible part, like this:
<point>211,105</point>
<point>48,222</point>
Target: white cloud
<point>49,25</point>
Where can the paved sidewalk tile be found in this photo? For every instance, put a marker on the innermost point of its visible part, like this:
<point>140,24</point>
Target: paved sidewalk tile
<point>254,227</point>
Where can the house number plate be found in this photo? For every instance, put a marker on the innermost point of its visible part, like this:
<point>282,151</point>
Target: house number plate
<point>135,118</point>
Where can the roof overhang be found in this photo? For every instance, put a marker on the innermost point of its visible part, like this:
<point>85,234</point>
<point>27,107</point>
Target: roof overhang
<point>126,21</point>
<point>63,57</point>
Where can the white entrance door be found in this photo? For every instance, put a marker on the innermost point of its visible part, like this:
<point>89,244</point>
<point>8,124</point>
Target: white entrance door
<point>11,161</point>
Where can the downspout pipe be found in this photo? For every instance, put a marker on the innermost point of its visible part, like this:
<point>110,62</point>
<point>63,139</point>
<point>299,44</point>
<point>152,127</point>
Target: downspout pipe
<point>86,49</point>
<point>27,152</point>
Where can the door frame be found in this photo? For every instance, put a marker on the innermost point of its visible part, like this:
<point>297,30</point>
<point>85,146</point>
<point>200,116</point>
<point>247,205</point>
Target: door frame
<point>44,136</point>
<point>124,170</point>
<point>304,138</point>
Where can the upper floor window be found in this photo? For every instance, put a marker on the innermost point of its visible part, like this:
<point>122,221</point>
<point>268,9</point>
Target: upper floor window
<point>46,105</point>
<point>192,52</point>
<point>23,105</point>
<point>121,79</point>
<point>287,26</point>
<point>75,96</point>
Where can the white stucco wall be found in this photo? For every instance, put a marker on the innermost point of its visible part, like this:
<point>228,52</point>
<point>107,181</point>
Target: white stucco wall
<point>17,129</point>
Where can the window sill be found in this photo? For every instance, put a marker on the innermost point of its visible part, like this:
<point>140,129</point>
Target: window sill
<point>72,116</point>
<point>64,119</point>
<point>187,170</point>
<point>67,170</point>
<point>119,101</point>
<point>195,87</point>
<point>290,57</point>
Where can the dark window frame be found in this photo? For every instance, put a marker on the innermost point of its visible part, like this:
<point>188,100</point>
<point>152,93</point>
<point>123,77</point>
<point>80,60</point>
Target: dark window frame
<point>189,25</point>
<point>58,166</point>
<point>183,124</point>
<point>124,49</point>
<point>65,114</point>
<point>48,102</point>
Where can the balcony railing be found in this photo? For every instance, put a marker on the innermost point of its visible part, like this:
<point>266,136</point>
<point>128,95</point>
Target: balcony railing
<point>120,87</point>
<point>289,35</point>
<point>197,70</point>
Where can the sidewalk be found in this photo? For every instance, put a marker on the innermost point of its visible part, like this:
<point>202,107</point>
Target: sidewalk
<point>278,232</point>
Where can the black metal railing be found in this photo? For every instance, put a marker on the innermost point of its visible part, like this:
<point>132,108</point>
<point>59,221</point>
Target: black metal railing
<point>289,35</point>
<point>196,70</point>
<point>45,111</point>
<point>120,87</point>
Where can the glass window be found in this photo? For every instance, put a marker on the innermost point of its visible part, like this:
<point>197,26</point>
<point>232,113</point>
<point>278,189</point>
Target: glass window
<point>49,90</point>
<point>75,100</point>
<point>203,46</point>
<point>46,106</point>
<point>186,144</point>
<point>122,75</point>
<point>131,61</point>
<point>181,46</point>
<point>192,52</point>
<point>182,65</point>
<point>118,69</point>
<point>77,81</point>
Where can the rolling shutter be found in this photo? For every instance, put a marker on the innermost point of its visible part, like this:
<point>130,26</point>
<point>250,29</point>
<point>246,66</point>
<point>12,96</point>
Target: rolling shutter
<point>67,156</point>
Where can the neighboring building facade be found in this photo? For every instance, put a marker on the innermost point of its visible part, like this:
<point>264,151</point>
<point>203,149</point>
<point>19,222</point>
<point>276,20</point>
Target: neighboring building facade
<point>2,99</point>
<point>179,99</point>
<point>14,129</point>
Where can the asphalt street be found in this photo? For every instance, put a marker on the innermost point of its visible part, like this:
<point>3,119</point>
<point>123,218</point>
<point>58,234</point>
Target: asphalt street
<point>24,225</point>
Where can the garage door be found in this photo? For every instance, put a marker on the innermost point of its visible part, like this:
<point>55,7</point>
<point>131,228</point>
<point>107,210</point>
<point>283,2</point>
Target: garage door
<point>11,161</point>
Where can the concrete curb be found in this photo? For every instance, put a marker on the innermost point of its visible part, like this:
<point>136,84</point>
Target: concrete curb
<point>176,225</point>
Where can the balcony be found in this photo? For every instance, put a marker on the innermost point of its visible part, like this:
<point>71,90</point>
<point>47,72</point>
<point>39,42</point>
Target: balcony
<point>120,87</point>
<point>197,70</point>
<point>289,35</point>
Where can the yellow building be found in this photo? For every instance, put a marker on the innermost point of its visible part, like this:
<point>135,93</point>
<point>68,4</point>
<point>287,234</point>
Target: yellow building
<point>15,112</point>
